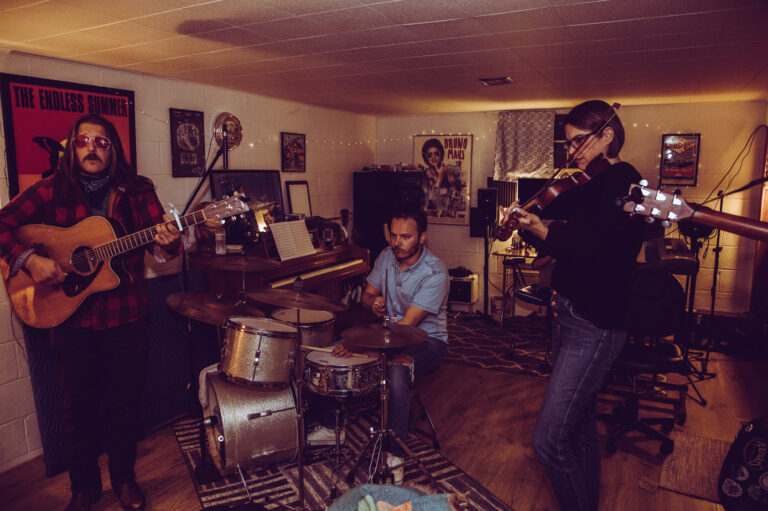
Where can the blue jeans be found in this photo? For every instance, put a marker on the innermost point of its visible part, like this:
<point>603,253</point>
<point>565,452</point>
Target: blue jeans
<point>426,358</point>
<point>565,438</point>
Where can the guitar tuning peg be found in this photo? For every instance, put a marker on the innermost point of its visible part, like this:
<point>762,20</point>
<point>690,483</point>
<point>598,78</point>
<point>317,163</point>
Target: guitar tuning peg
<point>649,220</point>
<point>666,223</point>
<point>242,215</point>
<point>677,191</point>
<point>223,221</point>
<point>643,182</point>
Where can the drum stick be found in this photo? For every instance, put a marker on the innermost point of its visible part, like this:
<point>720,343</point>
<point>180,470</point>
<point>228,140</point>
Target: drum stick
<point>330,350</point>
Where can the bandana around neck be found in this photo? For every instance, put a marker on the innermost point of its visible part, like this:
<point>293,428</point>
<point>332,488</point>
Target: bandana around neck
<point>93,182</point>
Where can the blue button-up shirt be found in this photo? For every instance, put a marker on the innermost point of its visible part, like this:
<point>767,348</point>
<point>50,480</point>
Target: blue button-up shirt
<point>424,285</point>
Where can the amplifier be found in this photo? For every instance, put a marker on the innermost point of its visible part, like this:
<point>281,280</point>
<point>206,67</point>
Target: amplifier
<point>463,289</point>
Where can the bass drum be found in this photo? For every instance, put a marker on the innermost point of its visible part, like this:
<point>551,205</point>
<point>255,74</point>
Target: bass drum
<point>327,375</point>
<point>252,426</point>
<point>316,326</point>
<point>258,351</point>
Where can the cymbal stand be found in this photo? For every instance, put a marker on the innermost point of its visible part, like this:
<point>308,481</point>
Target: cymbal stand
<point>376,437</point>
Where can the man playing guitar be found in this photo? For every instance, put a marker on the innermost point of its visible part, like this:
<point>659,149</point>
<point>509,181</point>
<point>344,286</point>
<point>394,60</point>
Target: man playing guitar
<point>101,347</point>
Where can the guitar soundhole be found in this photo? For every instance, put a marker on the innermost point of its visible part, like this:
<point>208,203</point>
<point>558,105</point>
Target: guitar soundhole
<point>82,260</point>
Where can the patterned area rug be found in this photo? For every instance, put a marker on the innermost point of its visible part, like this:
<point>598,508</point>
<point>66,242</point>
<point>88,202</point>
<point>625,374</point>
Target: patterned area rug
<point>477,343</point>
<point>278,483</point>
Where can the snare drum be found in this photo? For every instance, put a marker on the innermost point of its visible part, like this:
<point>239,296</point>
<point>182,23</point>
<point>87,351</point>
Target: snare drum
<point>327,375</point>
<point>316,326</point>
<point>253,426</point>
<point>258,351</point>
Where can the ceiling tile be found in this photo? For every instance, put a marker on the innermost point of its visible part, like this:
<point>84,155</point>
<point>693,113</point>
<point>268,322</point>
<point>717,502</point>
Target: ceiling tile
<point>446,29</point>
<point>481,7</point>
<point>535,37</point>
<point>376,37</point>
<point>189,20</point>
<point>684,23</point>
<point>185,45</point>
<point>607,30</point>
<point>128,32</point>
<point>299,7</point>
<point>134,8</point>
<point>418,11</point>
<point>62,17</point>
<point>234,36</point>
<point>126,55</point>
<point>73,44</point>
<point>666,8</point>
<point>287,29</point>
<point>523,20</point>
<point>600,11</point>
<point>346,20</point>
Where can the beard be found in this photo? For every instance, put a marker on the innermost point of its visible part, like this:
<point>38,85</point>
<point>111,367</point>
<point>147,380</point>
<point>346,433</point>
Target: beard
<point>403,254</point>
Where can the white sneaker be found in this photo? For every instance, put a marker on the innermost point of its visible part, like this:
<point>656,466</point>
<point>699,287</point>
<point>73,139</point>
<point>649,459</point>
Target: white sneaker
<point>397,467</point>
<point>320,435</point>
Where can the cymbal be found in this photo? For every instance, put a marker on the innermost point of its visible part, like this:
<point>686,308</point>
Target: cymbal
<point>296,299</point>
<point>206,308</point>
<point>375,335</point>
<point>242,263</point>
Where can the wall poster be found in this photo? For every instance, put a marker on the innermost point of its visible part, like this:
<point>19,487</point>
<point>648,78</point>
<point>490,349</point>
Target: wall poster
<point>37,115</point>
<point>446,164</point>
<point>679,159</point>
<point>187,142</point>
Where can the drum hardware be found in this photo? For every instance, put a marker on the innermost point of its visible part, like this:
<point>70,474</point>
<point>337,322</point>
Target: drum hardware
<point>258,351</point>
<point>391,335</point>
<point>296,298</point>
<point>317,325</point>
<point>210,309</point>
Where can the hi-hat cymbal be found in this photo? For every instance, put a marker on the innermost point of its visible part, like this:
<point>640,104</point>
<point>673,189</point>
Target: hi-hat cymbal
<point>375,335</point>
<point>296,299</point>
<point>206,308</point>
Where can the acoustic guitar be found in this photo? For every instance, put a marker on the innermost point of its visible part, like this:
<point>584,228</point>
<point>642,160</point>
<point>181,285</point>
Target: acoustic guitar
<point>669,207</point>
<point>88,253</point>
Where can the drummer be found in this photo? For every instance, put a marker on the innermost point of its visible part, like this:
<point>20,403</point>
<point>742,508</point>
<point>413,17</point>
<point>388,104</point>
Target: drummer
<point>410,285</point>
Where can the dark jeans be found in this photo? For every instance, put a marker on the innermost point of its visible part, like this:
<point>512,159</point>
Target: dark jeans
<point>102,374</point>
<point>426,358</point>
<point>565,438</point>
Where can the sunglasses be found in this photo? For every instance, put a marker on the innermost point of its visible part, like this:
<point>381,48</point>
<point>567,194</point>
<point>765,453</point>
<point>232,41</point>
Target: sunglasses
<point>102,143</point>
<point>576,141</point>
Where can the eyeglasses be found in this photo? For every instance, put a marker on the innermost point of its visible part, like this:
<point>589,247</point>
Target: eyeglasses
<point>576,141</point>
<point>433,153</point>
<point>102,143</point>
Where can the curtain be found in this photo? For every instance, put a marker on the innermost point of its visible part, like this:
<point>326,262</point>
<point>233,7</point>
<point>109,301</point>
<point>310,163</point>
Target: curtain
<point>524,145</point>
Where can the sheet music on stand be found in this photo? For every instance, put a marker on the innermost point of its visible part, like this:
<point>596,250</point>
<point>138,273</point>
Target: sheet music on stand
<point>292,239</point>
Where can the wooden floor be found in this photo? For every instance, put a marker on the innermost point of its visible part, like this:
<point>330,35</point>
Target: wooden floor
<point>485,421</point>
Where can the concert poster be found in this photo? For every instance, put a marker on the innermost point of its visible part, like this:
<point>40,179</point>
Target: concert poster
<point>187,142</point>
<point>37,116</point>
<point>446,165</point>
<point>679,159</point>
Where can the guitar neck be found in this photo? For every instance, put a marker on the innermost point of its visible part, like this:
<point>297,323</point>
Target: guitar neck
<point>140,238</point>
<point>742,226</point>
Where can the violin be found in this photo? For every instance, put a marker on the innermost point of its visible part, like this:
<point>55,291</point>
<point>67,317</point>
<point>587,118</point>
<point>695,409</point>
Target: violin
<point>549,192</point>
<point>546,195</point>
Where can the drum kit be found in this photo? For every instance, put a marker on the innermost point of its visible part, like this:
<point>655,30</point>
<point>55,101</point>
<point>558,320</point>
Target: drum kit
<point>253,406</point>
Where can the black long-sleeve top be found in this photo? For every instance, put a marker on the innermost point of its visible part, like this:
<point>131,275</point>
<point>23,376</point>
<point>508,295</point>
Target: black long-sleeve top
<point>596,247</point>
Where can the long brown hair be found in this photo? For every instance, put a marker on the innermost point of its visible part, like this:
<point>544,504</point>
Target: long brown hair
<point>66,187</point>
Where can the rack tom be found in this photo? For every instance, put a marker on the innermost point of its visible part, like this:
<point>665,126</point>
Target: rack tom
<point>258,351</point>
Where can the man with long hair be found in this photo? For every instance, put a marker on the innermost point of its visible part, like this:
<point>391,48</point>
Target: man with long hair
<point>101,347</point>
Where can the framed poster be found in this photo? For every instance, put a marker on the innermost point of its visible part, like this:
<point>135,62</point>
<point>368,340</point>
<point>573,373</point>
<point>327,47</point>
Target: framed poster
<point>37,116</point>
<point>187,143</point>
<point>446,165</point>
<point>298,197</point>
<point>293,151</point>
<point>679,159</point>
<point>261,188</point>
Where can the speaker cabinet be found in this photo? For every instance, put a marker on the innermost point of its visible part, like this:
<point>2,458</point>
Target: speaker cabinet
<point>487,204</point>
<point>464,289</point>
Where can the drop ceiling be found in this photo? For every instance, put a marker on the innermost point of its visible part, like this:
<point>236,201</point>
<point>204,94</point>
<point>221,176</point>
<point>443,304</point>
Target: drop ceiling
<point>401,57</point>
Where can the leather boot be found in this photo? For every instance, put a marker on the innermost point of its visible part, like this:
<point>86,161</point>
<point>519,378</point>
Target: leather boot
<point>130,495</point>
<point>82,500</point>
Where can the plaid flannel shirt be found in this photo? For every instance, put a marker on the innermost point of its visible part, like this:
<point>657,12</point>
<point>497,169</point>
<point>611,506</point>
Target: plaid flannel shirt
<point>107,309</point>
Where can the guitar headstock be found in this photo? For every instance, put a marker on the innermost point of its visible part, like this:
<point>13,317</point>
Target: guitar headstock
<point>656,204</point>
<point>227,207</point>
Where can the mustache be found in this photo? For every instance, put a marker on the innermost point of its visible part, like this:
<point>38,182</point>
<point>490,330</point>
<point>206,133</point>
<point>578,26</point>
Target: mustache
<point>92,156</point>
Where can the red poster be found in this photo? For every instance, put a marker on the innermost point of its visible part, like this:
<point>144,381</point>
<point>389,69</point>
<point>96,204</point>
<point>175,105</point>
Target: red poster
<point>37,115</point>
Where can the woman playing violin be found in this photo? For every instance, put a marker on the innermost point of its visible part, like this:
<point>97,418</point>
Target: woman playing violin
<point>595,251</point>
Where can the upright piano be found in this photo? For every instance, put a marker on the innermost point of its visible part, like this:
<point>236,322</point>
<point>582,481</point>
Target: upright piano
<point>322,272</point>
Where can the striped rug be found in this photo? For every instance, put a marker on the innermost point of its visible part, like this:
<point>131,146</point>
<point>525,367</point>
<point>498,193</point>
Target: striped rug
<point>278,483</point>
